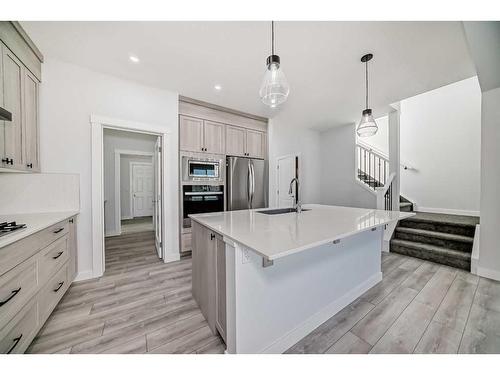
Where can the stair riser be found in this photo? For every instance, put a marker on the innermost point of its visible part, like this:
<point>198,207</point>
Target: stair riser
<point>438,227</point>
<point>449,244</point>
<point>448,261</point>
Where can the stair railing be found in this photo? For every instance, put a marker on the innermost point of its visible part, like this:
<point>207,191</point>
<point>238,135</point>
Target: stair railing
<point>372,167</point>
<point>384,194</point>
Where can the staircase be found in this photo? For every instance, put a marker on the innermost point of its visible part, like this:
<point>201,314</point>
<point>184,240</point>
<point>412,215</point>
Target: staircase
<point>439,238</point>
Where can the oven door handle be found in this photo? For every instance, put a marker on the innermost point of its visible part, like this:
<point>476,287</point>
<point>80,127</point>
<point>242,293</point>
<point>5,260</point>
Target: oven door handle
<point>203,193</point>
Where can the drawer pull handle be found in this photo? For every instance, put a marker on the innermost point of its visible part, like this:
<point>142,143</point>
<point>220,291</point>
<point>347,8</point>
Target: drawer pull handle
<point>58,255</point>
<point>59,230</point>
<point>16,341</point>
<point>59,286</point>
<point>12,295</point>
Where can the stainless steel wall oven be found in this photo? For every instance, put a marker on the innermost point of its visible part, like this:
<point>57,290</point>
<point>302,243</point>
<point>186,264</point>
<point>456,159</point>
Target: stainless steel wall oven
<point>198,199</point>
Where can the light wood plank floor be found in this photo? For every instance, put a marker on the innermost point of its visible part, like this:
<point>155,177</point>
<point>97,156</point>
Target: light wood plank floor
<point>140,305</point>
<point>418,307</point>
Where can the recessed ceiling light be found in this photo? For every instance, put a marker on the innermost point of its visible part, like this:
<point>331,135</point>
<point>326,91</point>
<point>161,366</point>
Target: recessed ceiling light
<point>218,87</point>
<point>134,59</point>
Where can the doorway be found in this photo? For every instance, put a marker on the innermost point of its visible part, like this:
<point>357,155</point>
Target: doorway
<point>287,169</point>
<point>102,207</point>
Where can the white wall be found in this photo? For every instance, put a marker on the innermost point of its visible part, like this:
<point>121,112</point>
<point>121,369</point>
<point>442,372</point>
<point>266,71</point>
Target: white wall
<point>338,184</point>
<point>69,94</point>
<point>119,140</point>
<point>125,191</point>
<point>441,138</point>
<point>483,39</point>
<point>284,139</point>
<point>489,253</point>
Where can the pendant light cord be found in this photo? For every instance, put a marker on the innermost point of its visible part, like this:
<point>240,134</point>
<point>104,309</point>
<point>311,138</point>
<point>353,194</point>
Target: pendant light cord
<point>272,37</point>
<point>366,79</point>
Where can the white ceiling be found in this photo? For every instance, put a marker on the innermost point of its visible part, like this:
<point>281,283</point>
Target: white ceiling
<point>320,60</point>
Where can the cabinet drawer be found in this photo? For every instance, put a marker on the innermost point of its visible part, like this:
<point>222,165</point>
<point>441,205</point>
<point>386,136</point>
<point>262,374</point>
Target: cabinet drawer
<point>52,258</point>
<point>16,287</point>
<point>21,250</point>
<point>52,292</point>
<point>186,242</point>
<point>17,335</point>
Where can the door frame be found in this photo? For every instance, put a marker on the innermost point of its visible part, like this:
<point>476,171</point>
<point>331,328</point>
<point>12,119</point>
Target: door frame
<point>170,227</point>
<point>132,182</point>
<point>118,209</point>
<point>297,155</point>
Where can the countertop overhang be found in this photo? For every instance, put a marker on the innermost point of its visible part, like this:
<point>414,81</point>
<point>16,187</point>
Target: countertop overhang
<point>277,236</point>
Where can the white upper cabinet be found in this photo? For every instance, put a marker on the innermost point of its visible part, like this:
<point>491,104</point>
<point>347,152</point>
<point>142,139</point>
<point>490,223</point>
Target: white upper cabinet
<point>199,135</point>
<point>235,141</point>
<point>12,71</point>
<point>30,121</point>
<point>255,144</point>
<point>213,137</point>
<point>245,142</point>
<point>20,72</point>
<point>191,134</point>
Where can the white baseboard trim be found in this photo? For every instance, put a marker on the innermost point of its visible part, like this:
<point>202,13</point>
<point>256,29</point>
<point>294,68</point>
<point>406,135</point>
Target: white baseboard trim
<point>488,273</point>
<point>84,275</point>
<point>448,211</point>
<point>171,257</point>
<point>113,234</point>
<point>296,334</point>
<point>386,246</point>
<point>474,260</point>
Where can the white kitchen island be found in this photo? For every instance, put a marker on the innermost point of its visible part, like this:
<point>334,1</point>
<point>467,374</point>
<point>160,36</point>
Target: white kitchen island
<point>269,280</point>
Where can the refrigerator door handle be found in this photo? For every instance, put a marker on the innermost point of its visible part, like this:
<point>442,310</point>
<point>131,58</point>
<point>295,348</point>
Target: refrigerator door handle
<point>230,183</point>
<point>253,184</point>
<point>249,187</point>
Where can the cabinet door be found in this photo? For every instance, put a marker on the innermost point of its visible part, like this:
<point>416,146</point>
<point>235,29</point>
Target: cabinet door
<point>255,146</point>
<point>30,121</point>
<point>235,141</point>
<point>213,137</point>
<point>12,90</point>
<point>220,290</point>
<point>2,123</point>
<point>190,134</point>
<point>203,272</point>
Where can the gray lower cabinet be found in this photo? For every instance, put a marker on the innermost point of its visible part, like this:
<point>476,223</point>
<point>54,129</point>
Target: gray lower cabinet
<point>35,273</point>
<point>209,276</point>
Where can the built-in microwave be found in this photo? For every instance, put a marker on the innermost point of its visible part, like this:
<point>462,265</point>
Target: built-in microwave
<point>201,169</point>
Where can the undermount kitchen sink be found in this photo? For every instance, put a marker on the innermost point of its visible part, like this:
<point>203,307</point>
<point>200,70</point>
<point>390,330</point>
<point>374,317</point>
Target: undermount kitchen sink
<point>279,211</point>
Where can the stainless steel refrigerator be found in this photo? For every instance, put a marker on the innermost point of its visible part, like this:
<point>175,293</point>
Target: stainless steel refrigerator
<point>246,181</point>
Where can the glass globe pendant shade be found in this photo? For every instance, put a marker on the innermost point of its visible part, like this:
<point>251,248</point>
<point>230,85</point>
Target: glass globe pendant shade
<point>274,89</point>
<point>367,126</point>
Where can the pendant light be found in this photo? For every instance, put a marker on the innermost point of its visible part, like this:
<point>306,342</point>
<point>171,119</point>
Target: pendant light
<point>274,89</point>
<point>367,126</point>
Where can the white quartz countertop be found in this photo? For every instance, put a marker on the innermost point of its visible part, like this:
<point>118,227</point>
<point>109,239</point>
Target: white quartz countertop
<point>35,222</point>
<point>276,236</point>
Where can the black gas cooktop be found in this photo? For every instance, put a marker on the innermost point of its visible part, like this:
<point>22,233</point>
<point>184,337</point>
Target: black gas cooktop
<point>9,227</point>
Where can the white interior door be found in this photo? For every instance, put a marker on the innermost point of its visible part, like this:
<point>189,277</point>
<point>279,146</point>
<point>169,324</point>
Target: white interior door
<point>286,172</point>
<point>157,197</point>
<point>142,189</point>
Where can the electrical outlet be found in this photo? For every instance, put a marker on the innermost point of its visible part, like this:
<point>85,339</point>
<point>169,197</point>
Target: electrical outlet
<point>246,256</point>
